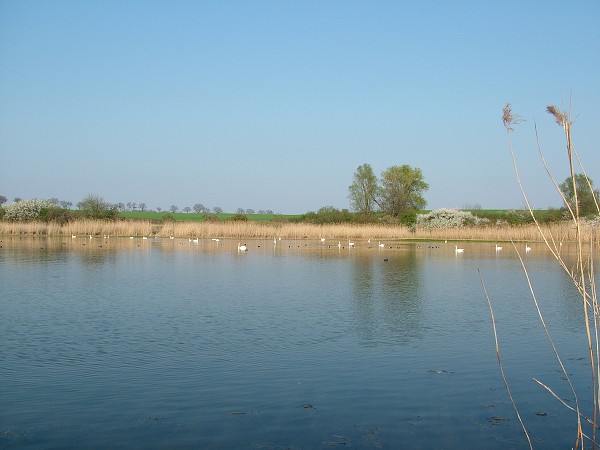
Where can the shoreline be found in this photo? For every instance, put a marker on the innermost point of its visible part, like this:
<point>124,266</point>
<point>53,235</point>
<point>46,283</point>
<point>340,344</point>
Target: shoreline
<point>559,232</point>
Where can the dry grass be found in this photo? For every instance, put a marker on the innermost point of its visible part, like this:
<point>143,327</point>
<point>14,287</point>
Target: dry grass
<point>562,232</point>
<point>582,276</point>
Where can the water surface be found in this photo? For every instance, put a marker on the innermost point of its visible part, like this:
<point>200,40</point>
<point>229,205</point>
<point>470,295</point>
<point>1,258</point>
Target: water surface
<point>170,344</point>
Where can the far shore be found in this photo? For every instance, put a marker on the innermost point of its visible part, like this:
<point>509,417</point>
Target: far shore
<point>559,232</point>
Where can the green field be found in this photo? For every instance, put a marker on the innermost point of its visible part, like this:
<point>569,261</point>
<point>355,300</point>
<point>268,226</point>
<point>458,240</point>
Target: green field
<point>196,217</point>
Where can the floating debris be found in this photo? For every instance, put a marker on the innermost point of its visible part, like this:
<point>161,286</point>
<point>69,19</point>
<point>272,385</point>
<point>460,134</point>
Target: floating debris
<point>497,420</point>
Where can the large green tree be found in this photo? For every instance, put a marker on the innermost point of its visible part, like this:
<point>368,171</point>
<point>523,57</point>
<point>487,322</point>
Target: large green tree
<point>587,196</point>
<point>363,190</point>
<point>402,189</point>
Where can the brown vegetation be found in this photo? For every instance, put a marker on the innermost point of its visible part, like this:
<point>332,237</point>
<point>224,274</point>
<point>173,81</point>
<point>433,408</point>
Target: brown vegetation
<point>562,232</point>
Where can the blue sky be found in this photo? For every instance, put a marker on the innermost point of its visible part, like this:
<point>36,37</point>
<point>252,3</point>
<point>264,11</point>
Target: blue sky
<point>274,104</point>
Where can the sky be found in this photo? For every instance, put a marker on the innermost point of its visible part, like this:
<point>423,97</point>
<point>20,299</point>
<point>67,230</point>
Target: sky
<point>273,104</point>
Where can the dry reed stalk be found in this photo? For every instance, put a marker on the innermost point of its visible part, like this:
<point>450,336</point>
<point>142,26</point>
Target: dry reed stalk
<point>579,276</point>
<point>500,362</point>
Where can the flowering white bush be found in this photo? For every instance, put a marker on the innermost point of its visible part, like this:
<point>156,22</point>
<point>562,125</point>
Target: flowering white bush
<point>448,218</point>
<point>25,210</point>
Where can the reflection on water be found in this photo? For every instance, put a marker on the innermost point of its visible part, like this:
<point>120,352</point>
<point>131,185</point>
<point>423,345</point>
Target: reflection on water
<point>387,293</point>
<point>167,343</point>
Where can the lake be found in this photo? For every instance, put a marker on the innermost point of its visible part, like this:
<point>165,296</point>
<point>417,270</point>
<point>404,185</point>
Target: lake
<point>114,343</point>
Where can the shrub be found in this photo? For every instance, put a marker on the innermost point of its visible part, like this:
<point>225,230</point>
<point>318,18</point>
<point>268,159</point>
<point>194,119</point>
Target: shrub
<point>26,210</point>
<point>448,218</point>
<point>2,212</point>
<point>56,215</point>
<point>168,218</point>
<point>328,214</point>
<point>210,217</point>
<point>408,217</point>
<point>94,207</point>
<point>239,218</point>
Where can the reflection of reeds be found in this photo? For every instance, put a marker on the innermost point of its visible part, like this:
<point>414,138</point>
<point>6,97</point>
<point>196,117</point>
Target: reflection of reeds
<point>562,232</point>
<point>582,275</point>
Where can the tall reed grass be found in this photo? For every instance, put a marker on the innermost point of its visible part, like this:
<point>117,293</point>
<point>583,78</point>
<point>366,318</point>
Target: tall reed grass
<point>562,232</point>
<point>585,235</point>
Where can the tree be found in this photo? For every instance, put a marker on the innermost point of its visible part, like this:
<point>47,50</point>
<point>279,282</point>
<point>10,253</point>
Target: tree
<point>2,199</point>
<point>363,190</point>
<point>142,206</point>
<point>200,208</point>
<point>401,190</point>
<point>95,207</point>
<point>587,196</point>
<point>26,210</point>
<point>173,208</point>
<point>217,210</point>
<point>249,211</point>
<point>66,204</point>
<point>187,209</point>
<point>240,211</point>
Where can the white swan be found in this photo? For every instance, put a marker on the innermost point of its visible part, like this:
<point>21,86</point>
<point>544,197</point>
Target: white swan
<point>498,248</point>
<point>242,248</point>
<point>381,245</point>
<point>527,248</point>
<point>458,250</point>
<point>73,236</point>
<point>350,243</point>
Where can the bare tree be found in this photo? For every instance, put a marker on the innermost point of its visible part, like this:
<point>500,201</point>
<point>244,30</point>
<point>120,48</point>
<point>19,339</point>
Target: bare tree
<point>200,208</point>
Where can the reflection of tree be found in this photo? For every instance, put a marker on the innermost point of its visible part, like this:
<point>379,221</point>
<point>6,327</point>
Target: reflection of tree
<point>388,298</point>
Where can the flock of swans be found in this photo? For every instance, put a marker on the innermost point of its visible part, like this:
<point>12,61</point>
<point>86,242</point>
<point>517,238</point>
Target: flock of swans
<point>351,244</point>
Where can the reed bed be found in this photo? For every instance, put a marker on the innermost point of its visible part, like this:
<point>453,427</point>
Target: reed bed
<point>562,232</point>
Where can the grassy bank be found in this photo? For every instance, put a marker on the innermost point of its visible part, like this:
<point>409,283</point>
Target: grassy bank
<point>564,231</point>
